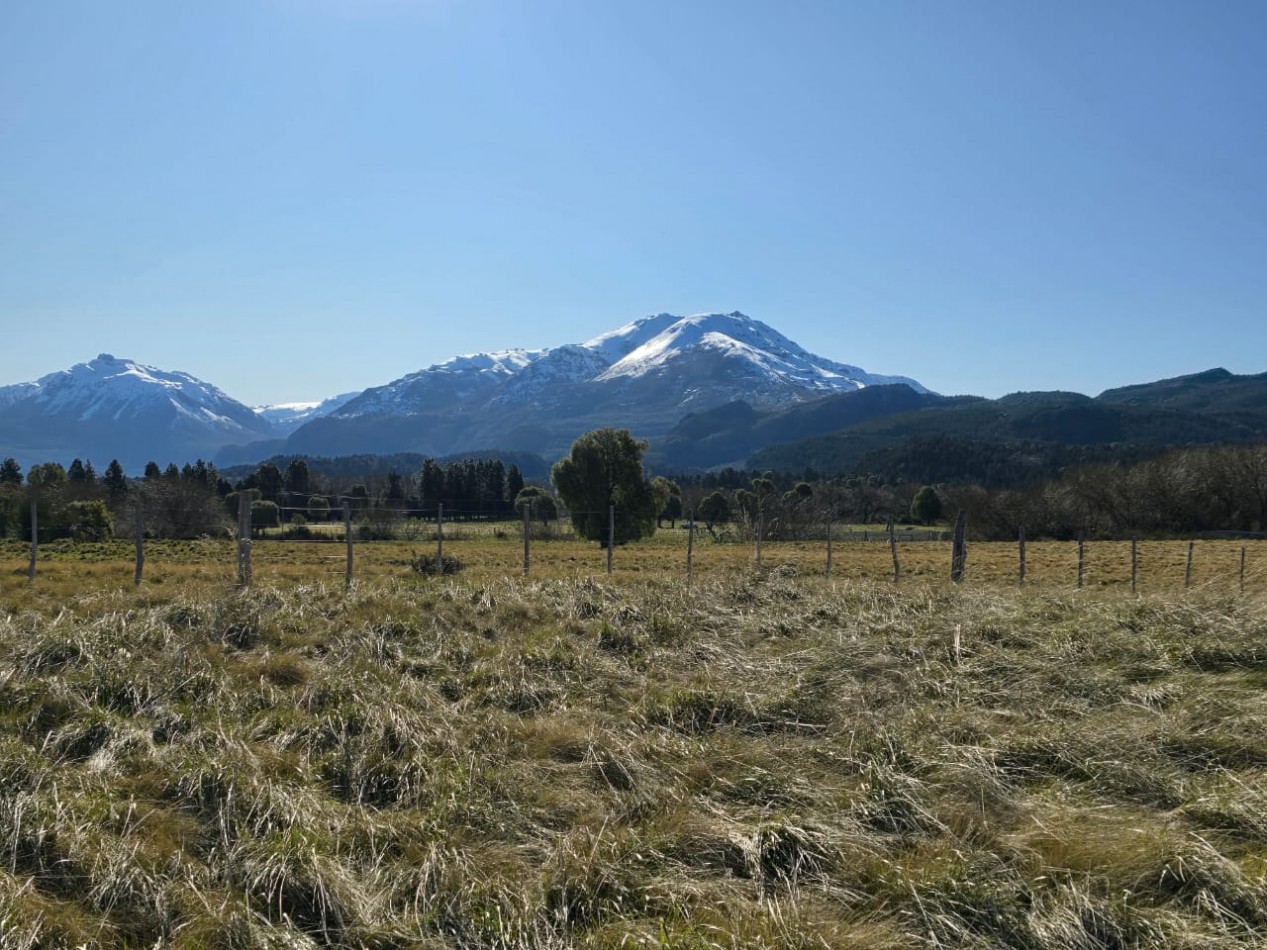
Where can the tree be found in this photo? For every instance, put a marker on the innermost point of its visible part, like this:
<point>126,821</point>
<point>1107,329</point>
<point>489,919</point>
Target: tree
<point>152,471</point>
<point>715,509</point>
<point>45,479</point>
<point>298,480</point>
<point>114,481</point>
<point>268,479</point>
<point>604,468</point>
<point>89,520</point>
<point>926,505</point>
<point>540,504</point>
<point>10,472</point>
<point>671,493</point>
<point>514,482</point>
<point>318,508</point>
<point>265,514</point>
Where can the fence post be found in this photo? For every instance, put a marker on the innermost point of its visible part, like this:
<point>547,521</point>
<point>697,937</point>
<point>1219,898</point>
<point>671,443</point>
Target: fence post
<point>611,534</point>
<point>897,568</point>
<point>1081,555</point>
<point>1187,569</point>
<point>958,548</point>
<point>1134,564</point>
<point>347,539</point>
<point>828,572</point>
<point>527,505</point>
<point>139,517</point>
<point>244,538</point>
<point>35,543</point>
<point>440,538</point>
<point>1242,568</point>
<point>1020,542</point>
<point>690,544</point>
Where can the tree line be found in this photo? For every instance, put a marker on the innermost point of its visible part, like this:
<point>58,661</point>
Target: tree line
<point>1184,493</point>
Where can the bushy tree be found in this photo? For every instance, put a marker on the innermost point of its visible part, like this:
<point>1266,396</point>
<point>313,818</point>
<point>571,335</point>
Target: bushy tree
<point>604,468</point>
<point>540,504</point>
<point>265,514</point>
<point>10,472</point>
<point>668,498</point>
<point>926,506</point>
<point>89,520</point>
<point>714,509</point>
<point>318,508</point>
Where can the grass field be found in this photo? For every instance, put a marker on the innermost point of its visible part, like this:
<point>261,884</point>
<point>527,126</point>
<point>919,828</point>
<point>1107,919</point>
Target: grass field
<point>763,759</point>
<point>489,552</point>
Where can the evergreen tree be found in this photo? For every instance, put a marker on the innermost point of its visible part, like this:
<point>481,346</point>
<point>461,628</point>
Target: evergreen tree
<point>10,472</point>
<point>114,481</point>
<point>514,482</point>
<point>604,468</point>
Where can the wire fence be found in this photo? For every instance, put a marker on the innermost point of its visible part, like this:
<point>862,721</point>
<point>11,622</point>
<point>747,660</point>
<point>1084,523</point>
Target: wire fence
<point>462,539</point>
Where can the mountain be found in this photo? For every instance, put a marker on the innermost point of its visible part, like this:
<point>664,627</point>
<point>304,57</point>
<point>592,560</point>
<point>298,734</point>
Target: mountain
<point>1215,390</point>
<point>1126,423</point>
<point>117,408</point>
<point>643,376</point>
<point>729,434</point>
<point>286,417</point>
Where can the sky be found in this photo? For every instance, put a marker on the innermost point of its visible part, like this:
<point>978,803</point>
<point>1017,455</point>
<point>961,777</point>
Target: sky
<point>296,198</point>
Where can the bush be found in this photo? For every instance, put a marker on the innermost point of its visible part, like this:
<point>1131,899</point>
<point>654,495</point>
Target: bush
<point>427,564</point>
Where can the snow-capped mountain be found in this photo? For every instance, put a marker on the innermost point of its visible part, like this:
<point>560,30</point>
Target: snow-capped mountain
<point>117,408</point>
<point>644,375</point>
<point>286,417</point>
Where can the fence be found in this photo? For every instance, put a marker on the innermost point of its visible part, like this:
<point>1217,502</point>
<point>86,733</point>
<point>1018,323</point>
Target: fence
<point>840,552</point>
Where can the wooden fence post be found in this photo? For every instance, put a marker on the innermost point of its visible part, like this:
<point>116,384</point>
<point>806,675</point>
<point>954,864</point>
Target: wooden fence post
<point>611,534</point>
<point>347,539</point>
<point>440,538</point>
<point>1134,564</point>
<point>1020,542</point>
<point>897,568</point>
<point>1081,556</point>
<point>138,514</point>
<point>690,544</point>
<point>244,538</point>
<point>35,543</point>
<point>828,573</point>
<point>1242,568</point>
<point>959,548</point>
<point>1187,568</point>
<point>527,505</point>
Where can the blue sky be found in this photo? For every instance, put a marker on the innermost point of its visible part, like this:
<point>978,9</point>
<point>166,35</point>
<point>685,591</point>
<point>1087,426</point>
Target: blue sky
<point>293,198</point>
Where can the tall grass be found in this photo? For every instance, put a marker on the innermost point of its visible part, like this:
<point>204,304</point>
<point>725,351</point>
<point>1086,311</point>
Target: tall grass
<point>760,760</point>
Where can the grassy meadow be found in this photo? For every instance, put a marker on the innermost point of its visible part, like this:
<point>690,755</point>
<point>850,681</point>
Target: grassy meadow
<point>763,758</point>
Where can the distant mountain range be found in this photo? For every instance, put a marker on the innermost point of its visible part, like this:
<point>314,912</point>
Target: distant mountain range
<point>643,376</point>
<point>116,408</point>
<point>707,390</point>
<point>950,439</point>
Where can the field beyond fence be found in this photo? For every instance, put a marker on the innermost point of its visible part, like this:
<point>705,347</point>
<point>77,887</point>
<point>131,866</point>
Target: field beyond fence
<point>490,551</point>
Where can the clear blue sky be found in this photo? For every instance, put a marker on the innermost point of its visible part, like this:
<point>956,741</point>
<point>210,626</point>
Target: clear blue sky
<point>292,198</point>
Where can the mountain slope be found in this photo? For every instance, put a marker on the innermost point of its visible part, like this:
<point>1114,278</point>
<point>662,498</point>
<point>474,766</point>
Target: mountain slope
<point>729,434</point>
<point>117,408</point>
<point>644,376</point>
<point>1022,421</point>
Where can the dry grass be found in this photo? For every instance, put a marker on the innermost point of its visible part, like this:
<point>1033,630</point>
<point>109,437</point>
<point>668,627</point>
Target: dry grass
<point>764,759</point>
<point>65,569</point>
